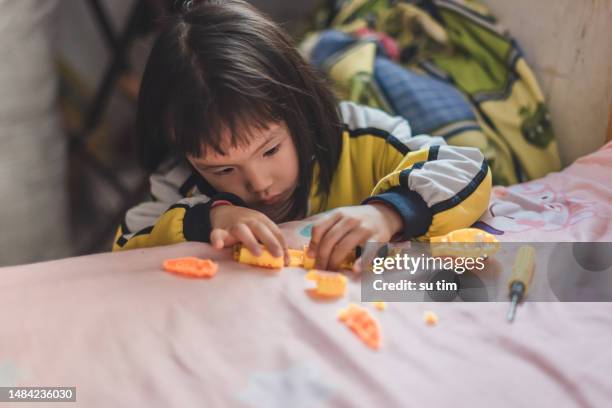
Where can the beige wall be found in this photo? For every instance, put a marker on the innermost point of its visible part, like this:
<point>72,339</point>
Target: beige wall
<point>33,200</point>
<point>569,44</point>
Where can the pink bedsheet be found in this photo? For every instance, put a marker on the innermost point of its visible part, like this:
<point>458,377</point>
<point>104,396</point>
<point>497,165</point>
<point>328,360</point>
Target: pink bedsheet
<point>126,333</point>
<point>572,205</point>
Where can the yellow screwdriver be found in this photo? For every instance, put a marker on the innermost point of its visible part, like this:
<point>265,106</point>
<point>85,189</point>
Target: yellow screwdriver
<point>522,273</point>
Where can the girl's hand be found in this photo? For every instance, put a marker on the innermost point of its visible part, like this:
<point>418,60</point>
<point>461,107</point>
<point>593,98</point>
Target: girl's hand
<point>233,224</point>
<point>336,233</point>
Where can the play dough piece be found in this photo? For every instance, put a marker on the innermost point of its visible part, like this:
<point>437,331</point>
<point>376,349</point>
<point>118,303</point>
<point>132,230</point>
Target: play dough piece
<point>465,242</point>
<point>296,257</point>
<point>347,264</point>
<point>430,318</point>
<point>328,284</point>
<point>265,260</point>
<point>362,324</point>
<point>191,266</point>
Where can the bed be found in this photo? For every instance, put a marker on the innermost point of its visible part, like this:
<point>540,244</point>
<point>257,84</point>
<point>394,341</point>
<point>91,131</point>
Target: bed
<point>126,333</point>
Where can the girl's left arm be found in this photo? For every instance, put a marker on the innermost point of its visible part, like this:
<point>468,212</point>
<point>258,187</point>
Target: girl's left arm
<point>432,191</point>
<point>435,188</point>
<point>423,187</point>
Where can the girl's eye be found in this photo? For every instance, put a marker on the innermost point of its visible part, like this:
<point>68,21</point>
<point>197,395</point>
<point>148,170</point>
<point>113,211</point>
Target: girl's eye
<point>223,172</point>
<point>272,151</point>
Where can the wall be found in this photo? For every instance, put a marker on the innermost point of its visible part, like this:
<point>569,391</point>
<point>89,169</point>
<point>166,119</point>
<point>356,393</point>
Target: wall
<point>568,43</point>
<point>33,205</point>
<point>79,39</point>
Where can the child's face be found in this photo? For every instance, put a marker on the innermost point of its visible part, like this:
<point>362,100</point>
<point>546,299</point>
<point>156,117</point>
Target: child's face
<point>264,174</point>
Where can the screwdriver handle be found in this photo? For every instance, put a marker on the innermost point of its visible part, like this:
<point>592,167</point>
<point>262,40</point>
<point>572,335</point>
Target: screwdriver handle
<point>524,266</point>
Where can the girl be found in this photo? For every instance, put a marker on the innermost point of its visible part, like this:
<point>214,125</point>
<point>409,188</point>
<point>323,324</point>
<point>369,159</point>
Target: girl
<point>243,135</point>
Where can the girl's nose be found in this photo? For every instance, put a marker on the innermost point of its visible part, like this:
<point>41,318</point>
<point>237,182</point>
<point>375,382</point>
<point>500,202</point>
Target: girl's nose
<point>259,183</point>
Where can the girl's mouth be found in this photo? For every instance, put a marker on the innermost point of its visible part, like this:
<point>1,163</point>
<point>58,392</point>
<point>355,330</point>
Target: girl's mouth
<point>272,200</point>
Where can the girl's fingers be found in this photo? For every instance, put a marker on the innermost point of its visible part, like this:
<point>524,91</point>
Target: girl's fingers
<point>276,231</point>
<point>281,239</point>
<point>319,229</point>
<point>346,245</point>
<point>217,238</point>
<point>331,238</point>
<point>220,238</point>
<point>374,240</point>
<point>357,266</point>
<point>263,233</point>
<point>244,234</point>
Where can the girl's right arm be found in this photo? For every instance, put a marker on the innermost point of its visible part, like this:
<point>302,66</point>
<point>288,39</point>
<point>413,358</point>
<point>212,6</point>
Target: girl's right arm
<point>176,212</point>
<point>179,212</point>
<point>159,223</point>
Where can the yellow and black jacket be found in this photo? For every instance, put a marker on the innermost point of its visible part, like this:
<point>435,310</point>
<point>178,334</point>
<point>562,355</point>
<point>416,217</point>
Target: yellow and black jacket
<point>435,188</point>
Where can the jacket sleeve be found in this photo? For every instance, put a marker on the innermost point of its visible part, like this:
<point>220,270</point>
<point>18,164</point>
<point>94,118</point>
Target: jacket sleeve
<point>169,217</point>
<point>434,187</point>
<point>162,225</point>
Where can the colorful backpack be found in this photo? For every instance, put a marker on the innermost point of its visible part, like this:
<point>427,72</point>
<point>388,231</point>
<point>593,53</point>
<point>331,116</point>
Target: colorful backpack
<point>449,70</point>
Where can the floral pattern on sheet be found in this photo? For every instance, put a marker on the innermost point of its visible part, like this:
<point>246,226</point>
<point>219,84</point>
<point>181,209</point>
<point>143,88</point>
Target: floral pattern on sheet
<point>534,206</point>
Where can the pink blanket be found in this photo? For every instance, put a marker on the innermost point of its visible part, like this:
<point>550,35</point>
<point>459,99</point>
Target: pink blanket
<point>126,333</point>
<point>572,205</point>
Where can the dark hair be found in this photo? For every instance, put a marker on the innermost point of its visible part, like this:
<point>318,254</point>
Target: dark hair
<point>223,65</point>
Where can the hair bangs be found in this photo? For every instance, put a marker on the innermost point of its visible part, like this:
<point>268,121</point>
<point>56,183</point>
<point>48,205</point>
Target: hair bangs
<point>223,119</point>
